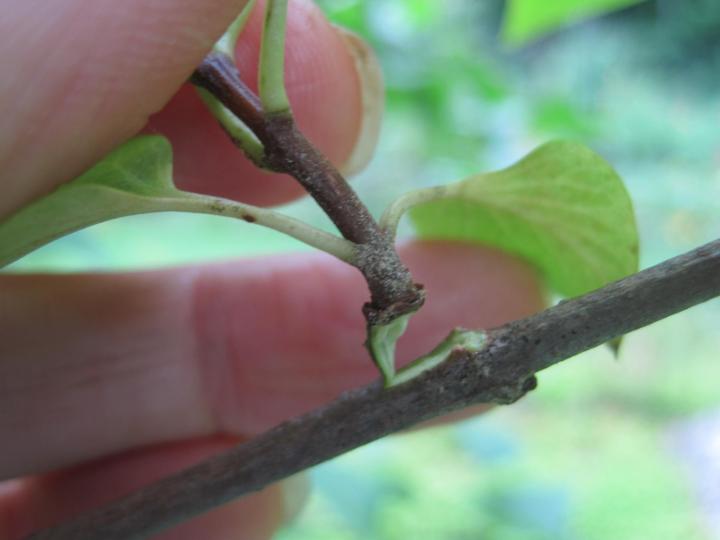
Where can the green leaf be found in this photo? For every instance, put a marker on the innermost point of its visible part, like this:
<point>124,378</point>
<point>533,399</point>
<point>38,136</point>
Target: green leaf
<point>136,178</point>
<point>130,180</point>
<point>381,342</point>
<point>526,20</point>
<point>562,208</point>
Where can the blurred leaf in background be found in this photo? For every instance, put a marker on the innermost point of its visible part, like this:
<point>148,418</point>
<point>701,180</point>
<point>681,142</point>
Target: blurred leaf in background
<point>528,19</point>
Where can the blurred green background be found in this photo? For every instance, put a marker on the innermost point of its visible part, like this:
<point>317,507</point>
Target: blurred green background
<point>626,449</point>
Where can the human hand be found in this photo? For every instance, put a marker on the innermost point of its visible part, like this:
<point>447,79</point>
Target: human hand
<point>109,381</point>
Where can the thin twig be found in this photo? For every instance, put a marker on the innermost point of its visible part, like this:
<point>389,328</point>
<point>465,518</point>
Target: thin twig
<point>286,150</point>
<point>502,372</point>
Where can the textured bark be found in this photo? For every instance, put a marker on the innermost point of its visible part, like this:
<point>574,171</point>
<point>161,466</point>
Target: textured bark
<point>286,150</point>
<point>502,372</point>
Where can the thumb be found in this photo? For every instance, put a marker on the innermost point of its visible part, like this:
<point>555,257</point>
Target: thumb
<point>80,76</point>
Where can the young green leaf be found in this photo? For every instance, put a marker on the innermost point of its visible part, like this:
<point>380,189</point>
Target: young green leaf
<point>459,338</point>
<point>136,178</point>
<point>526,20</point>
<point>381,343</point>
<point>126,182</point>
<point>562,208</point>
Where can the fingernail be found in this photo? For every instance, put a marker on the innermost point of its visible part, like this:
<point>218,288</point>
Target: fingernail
<point>373,101</point>
<point>295,493</point>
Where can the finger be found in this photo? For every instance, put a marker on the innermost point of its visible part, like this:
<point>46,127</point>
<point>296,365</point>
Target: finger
<point>335,89</point>
<point>93,365</point>
<point>42,502</point>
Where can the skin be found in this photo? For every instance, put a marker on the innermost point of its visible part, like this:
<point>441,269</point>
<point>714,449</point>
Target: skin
<point>109,381</point>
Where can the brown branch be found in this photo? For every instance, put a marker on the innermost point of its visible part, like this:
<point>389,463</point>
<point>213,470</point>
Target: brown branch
<point>502,372</point>
<point>286,150</point>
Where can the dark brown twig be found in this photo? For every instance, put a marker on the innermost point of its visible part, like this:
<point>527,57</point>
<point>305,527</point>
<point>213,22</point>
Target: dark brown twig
<point>286,150</point>
<point>502,372</point>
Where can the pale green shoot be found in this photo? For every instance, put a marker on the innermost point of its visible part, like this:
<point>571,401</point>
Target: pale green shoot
<point>242,135</point>
<point>271,74</point>
<point>459,338</point>
<point>381,343</point>
<point>295,228</point>
<point>390,219</point>
<point>226,44</point>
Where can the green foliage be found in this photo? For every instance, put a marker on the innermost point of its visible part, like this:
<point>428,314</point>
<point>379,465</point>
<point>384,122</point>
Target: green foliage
<point>381,342</point>
<point>130,180</point>
<point>135,179</point>
<point>562,119</point>
<point>526,20</point>
<point>562,208</point>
